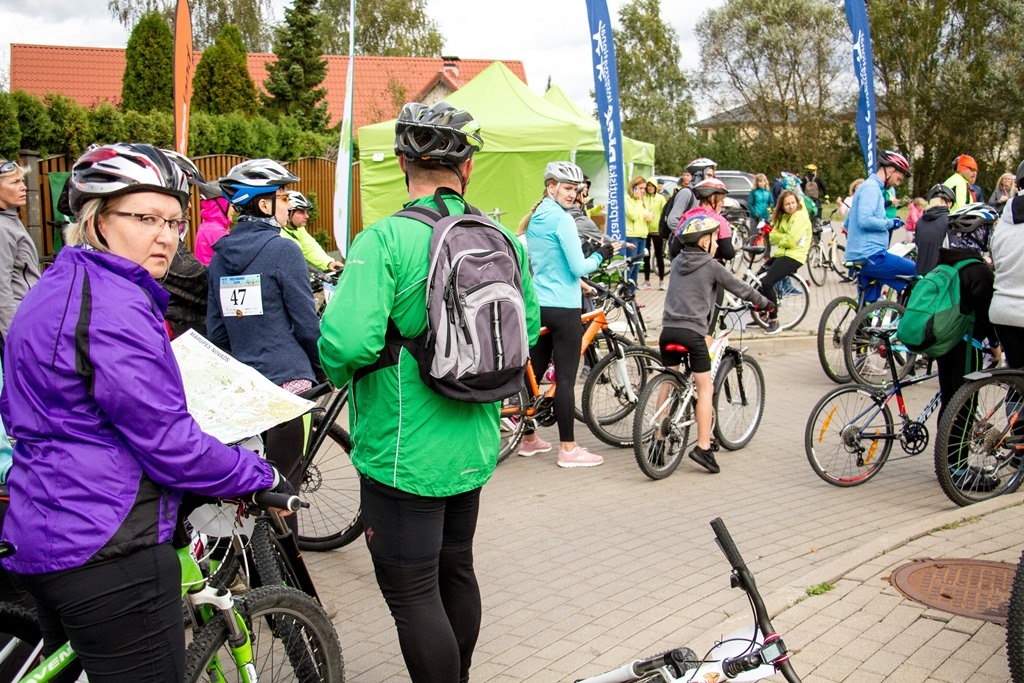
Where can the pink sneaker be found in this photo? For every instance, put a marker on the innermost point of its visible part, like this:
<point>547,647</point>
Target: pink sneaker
<point>538,445</point>
<point>578,457</point>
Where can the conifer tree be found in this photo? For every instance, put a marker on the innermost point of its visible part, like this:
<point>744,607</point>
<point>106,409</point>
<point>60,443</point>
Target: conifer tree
<point>293,79</point>
<point>222,83</point>
<point>148,81</point>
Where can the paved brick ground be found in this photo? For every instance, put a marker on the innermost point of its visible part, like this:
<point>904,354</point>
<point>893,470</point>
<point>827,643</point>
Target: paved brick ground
<point>582,570</point>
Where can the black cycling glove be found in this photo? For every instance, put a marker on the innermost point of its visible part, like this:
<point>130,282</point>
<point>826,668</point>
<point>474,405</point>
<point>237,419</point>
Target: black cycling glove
<point>607,251</point>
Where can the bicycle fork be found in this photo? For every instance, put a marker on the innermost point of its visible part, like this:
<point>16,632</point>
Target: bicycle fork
<point>621,379</point>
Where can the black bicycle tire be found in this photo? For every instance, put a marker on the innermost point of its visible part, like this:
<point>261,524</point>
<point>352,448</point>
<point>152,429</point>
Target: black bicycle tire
<point>340,524</point>
<point>826,473</point>
<point>797,283</point>
<point>824,338</point>
<point>17,622</point>
<point>850,343</point>
<point>816,264</point>
<point>643,435</point>
<point>943,472</point>
<point>272,565</point>
<point>1015,625</point>
<point>513,425</point>
<point>259,605</point>
<point>748,364</point>
<point>600,424</point>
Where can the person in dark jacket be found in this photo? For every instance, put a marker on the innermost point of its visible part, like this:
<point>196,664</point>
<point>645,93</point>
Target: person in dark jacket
<point>930,233</point>
<point>104,443</point>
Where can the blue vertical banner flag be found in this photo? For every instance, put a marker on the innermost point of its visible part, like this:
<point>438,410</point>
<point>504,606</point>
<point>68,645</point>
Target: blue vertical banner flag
<point>343,177</point>
<point>606,89</point>
<point>863,66</point>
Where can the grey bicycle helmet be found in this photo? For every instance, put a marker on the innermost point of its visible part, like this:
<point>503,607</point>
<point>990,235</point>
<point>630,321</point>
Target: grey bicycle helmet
<point>440,132</point>
<point>253,179</point>
<point>563,172</point>
<point>121,168</point>
<point>207,190</point>
<point>943,192</point>
<point>298,202</point>
<point>970,226</point>
<point>709,187</point>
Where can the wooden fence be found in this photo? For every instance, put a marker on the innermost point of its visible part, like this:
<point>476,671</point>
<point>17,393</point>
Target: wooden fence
<point>317,176</point>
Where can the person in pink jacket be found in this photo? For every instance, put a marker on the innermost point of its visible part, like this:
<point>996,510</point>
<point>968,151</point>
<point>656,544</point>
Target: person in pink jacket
<point>216,214</point>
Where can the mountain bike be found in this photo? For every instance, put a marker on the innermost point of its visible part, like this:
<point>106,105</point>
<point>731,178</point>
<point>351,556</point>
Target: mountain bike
<point>850,432</point>
<point>270,632</point>
<point>829,258</point>
<point>753,653</point>
<point>323,286</point>
<point>979,448</point>
<point>609,393</point>
<point>666,410</point>
<point>619,300</point>
<point>792,298</point>
<point>870,356</point>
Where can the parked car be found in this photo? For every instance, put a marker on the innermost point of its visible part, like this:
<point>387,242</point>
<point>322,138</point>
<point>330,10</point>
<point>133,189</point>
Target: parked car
<point>670,181</point>
<point>740,183</point>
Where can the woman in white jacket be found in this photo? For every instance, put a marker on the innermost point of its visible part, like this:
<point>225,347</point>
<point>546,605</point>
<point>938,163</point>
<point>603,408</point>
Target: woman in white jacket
<point>1007,246</point>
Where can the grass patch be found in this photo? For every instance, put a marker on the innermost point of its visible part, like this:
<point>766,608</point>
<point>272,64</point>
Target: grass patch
<point>820,589</point>
<point>956,525</point>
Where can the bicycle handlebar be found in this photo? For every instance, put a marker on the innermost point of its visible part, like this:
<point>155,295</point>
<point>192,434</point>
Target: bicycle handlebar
<point>283,501</point>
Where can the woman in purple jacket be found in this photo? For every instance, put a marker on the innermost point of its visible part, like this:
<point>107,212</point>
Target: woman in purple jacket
<point>104,441</point>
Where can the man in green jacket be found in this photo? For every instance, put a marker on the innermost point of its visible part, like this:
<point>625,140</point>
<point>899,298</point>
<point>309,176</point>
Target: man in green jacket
<point>965,172</point>
<point>298,216</point>
<point>422,457</point>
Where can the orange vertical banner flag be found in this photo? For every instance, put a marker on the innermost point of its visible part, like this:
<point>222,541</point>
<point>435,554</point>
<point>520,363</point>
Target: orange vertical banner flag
<point>184,65</point>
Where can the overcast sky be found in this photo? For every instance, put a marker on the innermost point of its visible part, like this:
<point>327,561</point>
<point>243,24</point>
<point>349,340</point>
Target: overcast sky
<point>550,37</point>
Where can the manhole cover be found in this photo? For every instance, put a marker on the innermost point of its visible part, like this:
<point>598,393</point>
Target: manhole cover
<point>972,588</point>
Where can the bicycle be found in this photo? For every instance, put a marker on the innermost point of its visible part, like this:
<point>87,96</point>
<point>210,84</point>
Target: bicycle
<point>666,410</point>
<point>792,298</point>
<point>609,393</point>
<point>616,300</point>
<point>821,261</point>
<point>757,238</point>
<point>980,441</point>
<point>264,632</point>
<point>760,651</point>
<point>869,355</point>
<point>850,432</point>
<point>1015,625</point>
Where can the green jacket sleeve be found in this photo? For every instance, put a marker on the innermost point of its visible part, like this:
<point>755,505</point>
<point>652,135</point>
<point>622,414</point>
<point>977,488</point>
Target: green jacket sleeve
<point>529,295</point>
<point>311,249</point>
<point>353,326</point>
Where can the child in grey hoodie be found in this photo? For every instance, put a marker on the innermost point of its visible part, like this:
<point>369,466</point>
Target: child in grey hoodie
<point>689,318</point>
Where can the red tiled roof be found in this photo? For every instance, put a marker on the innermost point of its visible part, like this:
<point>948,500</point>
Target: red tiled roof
<point>90,75</point>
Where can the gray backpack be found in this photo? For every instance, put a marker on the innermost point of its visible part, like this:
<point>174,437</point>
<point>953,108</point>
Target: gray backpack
<point>475,348</point>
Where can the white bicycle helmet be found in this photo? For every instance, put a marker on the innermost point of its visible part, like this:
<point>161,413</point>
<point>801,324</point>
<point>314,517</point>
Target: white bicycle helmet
<point>699,165</point>
<point>298,202</point>
<point>970,226</point>
<point>254,178</point>
<point>122,168</point>
<point>563,172</point>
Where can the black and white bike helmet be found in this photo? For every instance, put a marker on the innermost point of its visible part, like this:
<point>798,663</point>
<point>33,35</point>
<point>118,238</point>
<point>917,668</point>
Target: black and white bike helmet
<point>254,178</point>
<point>970,226</point>
<point>439,132</point>
<point>298,202</point>
<point>943,192</point>
<point>121,168</point>
<point>709,187</point>
<point>563,172</point>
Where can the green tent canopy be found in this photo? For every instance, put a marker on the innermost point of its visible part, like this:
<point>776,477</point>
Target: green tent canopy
<point>522,132</point>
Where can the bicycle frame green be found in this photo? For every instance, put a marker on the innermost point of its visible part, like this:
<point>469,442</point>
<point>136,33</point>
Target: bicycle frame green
<point>191,575</point>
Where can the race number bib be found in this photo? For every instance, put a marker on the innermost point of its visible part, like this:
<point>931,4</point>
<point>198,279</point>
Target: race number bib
<point>241,295</point>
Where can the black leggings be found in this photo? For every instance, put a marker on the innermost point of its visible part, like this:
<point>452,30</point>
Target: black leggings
<point>562,344</point>
<point>779,268</point>
<point>1011,339</point>
<point>655,245</point>
<point>122,616</point>
<point>422,551</point>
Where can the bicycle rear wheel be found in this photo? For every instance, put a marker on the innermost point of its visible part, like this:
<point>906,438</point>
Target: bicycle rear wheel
<point>19,636</point>
<point>292,639</point>
<point>976,449</point>
<point>816,266</point>
<point>661,425</point>
<point>1015,626</point>
<point>512,424</point>
<point>849,436</point>
<point>738,402</point>
<point>611,392</point>
<point>331,487</point>
<point>865,352</point>
<point>835,321</point>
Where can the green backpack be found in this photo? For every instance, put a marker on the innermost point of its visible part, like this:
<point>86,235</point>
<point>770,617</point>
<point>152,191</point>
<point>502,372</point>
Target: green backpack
<point>933,323</point>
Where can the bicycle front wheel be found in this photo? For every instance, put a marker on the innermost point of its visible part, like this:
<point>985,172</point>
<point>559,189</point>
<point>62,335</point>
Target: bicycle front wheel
<point>19,636</point>
<point>292,639</point>
<point>817,268</point>
<point>661,425</point>
<point>865,350</point>
<point>792,301</point>
<point>738,402</point>
<point>849,436</point>
<point>512,424</point>
<point>835,321</point>
<point>331,487</point>
<point>976,450</point>
<point>1015,626</point>
<point>611,391</point>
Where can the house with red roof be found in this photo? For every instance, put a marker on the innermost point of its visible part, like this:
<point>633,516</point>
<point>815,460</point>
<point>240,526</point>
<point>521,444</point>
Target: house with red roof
<point>90,75</point>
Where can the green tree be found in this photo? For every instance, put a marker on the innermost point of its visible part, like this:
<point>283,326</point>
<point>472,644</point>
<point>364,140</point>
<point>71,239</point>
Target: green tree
<point>10,131</point>
<point>950,80</point>
<point>222,83</point>
<point>654,94</point>
<point>776,64</point>
<point>294,78</point>
<point>34,121</point>
<point>391,28</point>
<point>148,81</point>
<point>209,17</point>
<point>70,126</point>
<point>106,124</point>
